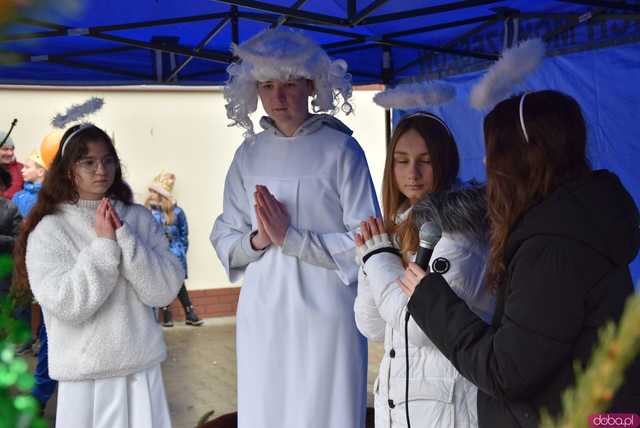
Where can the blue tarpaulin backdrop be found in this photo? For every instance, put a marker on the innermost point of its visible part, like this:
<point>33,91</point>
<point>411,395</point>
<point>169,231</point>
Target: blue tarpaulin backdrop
<point>605,84</point>
<point>593,52</point>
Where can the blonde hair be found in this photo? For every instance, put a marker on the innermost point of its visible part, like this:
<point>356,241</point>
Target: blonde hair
<point>164,203</point>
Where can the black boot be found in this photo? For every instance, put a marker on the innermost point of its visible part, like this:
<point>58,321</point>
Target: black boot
<point>165,316</point>
<point>192,317</point>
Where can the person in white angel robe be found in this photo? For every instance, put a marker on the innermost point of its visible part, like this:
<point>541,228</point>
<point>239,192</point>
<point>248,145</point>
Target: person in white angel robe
<point>293,198</point>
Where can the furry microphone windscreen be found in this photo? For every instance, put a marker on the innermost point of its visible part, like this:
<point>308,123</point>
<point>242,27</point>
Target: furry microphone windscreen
<point>460,209</point>
<point>510,70</point>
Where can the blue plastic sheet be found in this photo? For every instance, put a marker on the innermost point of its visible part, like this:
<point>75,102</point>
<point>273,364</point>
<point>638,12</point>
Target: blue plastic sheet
<point>605,84</point>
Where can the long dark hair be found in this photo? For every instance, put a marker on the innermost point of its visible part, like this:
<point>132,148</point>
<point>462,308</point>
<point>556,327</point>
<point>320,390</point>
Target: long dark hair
<point>59,187</point>
<point>445,163</point>
<point>521,173</point>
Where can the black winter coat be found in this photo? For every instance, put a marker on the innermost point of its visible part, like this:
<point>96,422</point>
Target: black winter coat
<point>10,220</point>
<point>567,275</point>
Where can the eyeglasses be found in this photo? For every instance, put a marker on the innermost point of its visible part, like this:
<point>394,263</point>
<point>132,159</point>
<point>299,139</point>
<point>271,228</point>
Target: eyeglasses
<point>91,165</point>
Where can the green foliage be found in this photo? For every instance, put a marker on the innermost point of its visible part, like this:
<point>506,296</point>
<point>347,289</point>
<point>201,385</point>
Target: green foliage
<point>12,10</point>
<point>6,265</point>
<point>18,409</point>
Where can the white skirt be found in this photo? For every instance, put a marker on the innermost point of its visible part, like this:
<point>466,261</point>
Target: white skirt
<point>134,401</point>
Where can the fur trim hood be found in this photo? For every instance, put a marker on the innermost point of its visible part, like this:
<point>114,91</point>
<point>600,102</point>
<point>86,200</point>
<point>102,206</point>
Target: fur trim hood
<point>460,209</point>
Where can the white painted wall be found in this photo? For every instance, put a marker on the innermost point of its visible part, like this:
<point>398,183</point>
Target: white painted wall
<point>179,130</point>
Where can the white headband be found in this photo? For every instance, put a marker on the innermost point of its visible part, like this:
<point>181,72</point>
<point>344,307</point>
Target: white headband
<point>73,134</point>
<point>430,116</point>
<point>521,110</point>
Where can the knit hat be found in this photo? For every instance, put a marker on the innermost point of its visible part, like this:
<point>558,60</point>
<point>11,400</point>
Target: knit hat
<point>163,184</point>
<point>9,142</point>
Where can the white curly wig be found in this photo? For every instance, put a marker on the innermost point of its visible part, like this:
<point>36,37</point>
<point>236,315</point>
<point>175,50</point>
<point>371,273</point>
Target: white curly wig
<point>279,54</point>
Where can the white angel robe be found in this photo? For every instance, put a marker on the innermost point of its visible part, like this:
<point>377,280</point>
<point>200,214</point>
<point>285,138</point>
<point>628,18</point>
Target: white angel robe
<point>301,361</point>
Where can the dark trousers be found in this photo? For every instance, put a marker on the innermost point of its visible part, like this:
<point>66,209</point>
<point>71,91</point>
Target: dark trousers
<point>45,386</point>
<point>20,312</point>
<point>183,296</point>
<point>23,313</point>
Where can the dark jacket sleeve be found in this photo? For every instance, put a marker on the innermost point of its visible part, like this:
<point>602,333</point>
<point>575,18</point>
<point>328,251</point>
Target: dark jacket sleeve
<point>543,315</point>
<point>11,227</point>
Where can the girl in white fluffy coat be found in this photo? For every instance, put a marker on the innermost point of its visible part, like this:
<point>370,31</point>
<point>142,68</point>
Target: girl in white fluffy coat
<point>98,264</point>
<point>422,159</point>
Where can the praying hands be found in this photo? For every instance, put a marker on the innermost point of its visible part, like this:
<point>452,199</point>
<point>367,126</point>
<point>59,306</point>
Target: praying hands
<point>273,219</point>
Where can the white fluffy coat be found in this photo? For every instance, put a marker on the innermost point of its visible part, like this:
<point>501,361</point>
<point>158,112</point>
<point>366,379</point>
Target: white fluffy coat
<point>97,294</point>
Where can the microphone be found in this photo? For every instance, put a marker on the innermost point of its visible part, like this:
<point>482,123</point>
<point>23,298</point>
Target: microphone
<point>429,235</point>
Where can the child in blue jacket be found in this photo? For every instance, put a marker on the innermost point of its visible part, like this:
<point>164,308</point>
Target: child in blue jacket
<point>167,213</point>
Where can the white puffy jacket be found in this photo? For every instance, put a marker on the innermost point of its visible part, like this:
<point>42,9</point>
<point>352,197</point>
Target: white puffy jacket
<point>438,395</point>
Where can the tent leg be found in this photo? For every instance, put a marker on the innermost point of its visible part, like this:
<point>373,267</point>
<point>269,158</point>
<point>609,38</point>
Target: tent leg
<point>387,126</point>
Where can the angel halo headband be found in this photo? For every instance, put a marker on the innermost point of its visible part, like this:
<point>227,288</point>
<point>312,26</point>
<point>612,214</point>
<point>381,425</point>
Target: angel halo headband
<point>521,113</point>
<point>73,134</point>
<point>514,65</point>
<point>430,116</point>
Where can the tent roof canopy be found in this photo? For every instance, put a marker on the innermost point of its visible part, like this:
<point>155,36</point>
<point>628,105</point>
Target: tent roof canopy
<point>384,41</point>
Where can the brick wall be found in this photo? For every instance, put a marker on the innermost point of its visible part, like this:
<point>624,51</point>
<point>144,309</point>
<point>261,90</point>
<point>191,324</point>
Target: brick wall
<point>216,302</point>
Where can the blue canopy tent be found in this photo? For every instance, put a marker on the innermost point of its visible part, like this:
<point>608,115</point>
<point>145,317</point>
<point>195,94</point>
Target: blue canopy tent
<point>158,41</point>
<point>593,52</point>
<point>602,83</point>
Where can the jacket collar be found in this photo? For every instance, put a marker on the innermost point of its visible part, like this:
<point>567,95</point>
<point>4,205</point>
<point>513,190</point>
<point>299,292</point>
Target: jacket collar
<point>309,126</point>
<point>32,187</point>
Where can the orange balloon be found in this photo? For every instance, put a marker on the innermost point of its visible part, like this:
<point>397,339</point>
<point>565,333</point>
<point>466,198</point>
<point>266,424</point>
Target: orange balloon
<point>49,146</point>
